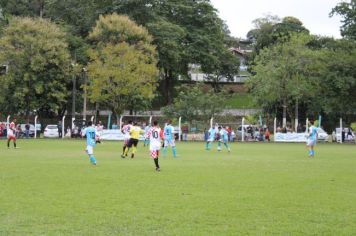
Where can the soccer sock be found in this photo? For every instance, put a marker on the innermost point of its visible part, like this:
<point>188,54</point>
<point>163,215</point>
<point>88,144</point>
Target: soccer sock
<point>227,146</point>
<point>174,150</point>
<point>14,144</point>
<point>156,162</point>
<point>8,143</point>
<point>123,150</point>
<point>92,159</point>
<point>126,151</point>
<point>164,151</point>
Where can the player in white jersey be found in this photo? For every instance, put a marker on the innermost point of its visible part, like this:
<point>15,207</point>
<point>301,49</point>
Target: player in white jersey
<point>126,131</point>
<point>155,136</point>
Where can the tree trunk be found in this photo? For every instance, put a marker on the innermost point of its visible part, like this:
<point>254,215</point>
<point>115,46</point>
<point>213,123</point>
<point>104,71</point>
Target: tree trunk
<point>284,113</point>
<point>296,114</point>
<point>168,86</point>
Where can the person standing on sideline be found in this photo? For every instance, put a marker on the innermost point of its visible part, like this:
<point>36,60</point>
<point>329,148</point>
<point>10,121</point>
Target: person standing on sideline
<point>155,136</point>
<point>90,133</point>
<point>27,130</point>
<point>169,139</point>
<point>312,138</point>
<point>11,133</point>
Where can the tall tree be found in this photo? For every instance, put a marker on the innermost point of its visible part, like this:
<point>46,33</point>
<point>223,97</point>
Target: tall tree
<point>123,63</point>
<point>285,73</point>
<point>38,60</point>
<point>347,10</point>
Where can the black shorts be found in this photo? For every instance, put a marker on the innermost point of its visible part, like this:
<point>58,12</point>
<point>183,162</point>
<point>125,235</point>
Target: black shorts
<point>133,142</point>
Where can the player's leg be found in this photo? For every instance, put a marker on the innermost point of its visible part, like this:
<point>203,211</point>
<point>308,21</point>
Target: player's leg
<point>226,145</point>
<point>134,148</point>
<point>165,148</point>
<point>14,140</point>
<point>174,150</point>
<point>124,147</point>
<point>8,142</point>
<point>90,151</point>
<point>155,156</point>
<point>219,145</point>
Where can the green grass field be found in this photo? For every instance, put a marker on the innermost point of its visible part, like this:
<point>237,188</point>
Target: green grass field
<point>48,187</point>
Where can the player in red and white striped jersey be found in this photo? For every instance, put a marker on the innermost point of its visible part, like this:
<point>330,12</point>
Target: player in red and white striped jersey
<point>155,134</point>
<point>11,133</point>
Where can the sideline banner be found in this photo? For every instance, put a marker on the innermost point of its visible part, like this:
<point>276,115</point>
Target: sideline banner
<point>114,135</point>
<point>290,137</point>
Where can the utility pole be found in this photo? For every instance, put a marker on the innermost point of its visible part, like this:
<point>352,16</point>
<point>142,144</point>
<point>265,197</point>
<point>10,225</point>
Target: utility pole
<point>85,93</point>
<point>74,91</point>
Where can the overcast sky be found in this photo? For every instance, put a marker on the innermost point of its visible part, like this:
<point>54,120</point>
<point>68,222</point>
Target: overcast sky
<point>239,14</point>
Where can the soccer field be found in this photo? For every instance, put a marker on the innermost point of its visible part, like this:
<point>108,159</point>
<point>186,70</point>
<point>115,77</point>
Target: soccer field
<point>48,187</point>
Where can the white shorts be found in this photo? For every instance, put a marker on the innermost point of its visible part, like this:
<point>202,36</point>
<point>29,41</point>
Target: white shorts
<point>311,142</point>
<point>90,150</point>
<point>169,142</point>
<point>155,146</point>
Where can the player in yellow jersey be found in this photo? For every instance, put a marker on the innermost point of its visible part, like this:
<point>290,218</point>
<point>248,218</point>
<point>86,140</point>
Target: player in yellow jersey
<point>135,132</point>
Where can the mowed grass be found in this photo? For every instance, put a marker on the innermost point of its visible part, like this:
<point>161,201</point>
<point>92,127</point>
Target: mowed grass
<point>48,187</point>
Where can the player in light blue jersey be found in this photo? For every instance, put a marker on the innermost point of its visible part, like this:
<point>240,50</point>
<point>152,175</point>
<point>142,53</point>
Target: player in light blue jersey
<point>211,138</point>
<point>223,138</point>
<point>90,133</point>
<point>169,139</point>
<point>146,129</point>
<point>312,138</point>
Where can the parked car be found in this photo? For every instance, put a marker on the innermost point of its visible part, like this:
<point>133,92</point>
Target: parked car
<point>23,129</point>
<point>348,136</point>
<point>51,131</point>
<point>322,135</point>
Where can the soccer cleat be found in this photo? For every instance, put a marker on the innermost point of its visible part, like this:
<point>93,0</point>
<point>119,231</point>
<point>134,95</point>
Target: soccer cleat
<point>123,156</point>
<point>132,155</point>
<point>158,169</point>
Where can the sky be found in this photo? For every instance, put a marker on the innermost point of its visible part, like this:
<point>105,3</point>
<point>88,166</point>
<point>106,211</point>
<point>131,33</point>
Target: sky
<point>239,14</point>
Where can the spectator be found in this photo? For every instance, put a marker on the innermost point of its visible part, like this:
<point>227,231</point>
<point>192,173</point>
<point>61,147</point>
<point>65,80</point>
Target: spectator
<point>18,131</point>
<point>206,135</point>
<point>27,130</point>
<point>59,126</point>
<point>228,129</point>
<point>185,133</point>
<point>267,135</point>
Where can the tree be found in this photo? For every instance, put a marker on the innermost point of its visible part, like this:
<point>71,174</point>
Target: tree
<point>123,63</point>
<point>38,60</point>
<point>223,65</point>
<point>185,32</point>
<point>192,104</point>
<point>286,73</point>
<point>347,10</point>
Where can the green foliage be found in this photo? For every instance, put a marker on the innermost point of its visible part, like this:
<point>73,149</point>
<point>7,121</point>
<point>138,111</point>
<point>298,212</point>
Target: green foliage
<point>192,103</point>
<point>285,72</point>
<point>240,101</point>
<point>347,10</point>
<point>38,59</point>
<point>123,64</point>
<point>353,126</point>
